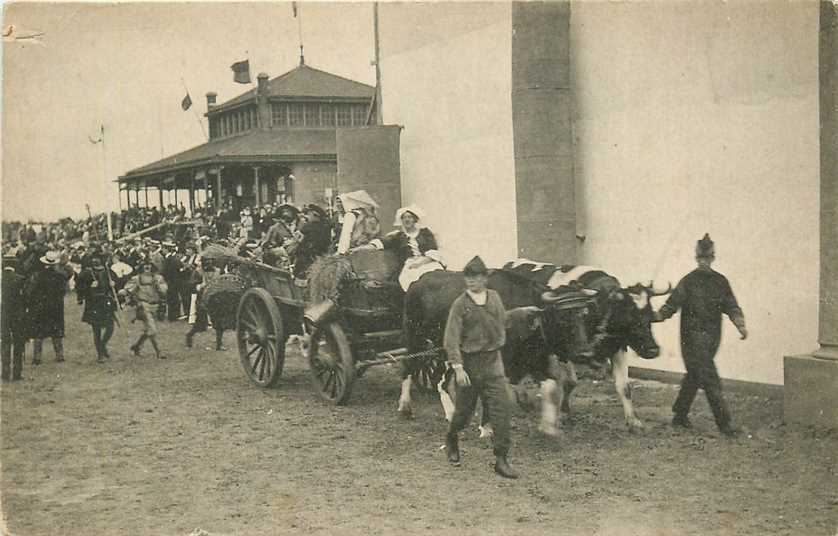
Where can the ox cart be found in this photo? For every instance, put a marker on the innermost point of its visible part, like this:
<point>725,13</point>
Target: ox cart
<point>351,326</point>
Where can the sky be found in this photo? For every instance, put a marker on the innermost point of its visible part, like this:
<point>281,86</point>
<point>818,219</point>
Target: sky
<point>128,66</point>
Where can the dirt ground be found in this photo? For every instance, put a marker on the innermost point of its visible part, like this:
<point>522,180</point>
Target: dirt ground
<point>188,446</point>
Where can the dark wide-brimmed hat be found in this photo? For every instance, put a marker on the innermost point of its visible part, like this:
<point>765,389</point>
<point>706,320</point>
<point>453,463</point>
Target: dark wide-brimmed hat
<point>146,262</point>
<point>317,210</point>
<point>286,206</point>
<point>475,267</point>
<point>705,248</point>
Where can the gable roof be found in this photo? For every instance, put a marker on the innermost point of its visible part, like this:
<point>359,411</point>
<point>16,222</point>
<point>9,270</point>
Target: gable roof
<point>305,81</point>
<point>265,145</point>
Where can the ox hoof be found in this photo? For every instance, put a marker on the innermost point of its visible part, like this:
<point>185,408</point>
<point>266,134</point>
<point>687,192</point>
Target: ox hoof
<point>636,426</point>
<point>406,413</point>
<point>549,429</point>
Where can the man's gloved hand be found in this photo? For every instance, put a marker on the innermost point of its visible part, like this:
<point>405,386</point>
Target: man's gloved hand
<point>743,332</point>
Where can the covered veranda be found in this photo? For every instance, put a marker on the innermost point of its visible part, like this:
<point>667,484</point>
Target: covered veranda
<point>252,169</point>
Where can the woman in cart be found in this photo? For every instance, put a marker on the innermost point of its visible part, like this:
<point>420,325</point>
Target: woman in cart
<point>414,243</point>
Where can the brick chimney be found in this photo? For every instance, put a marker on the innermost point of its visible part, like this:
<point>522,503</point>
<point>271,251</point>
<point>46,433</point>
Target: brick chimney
<point>211,96</point>
<point>262,104</point>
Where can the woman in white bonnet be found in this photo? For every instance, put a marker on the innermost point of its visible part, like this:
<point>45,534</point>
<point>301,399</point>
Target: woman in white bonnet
<point>414,243</point>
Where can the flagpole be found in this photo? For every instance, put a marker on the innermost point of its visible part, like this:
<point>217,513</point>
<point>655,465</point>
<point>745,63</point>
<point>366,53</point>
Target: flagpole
<point>105,181</point>
<point>195,111</point>
<point>298,14</point>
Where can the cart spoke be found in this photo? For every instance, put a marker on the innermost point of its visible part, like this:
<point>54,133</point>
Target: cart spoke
<point>262,367</point>
<point>250,352</point>
<point>268,361</point>
<point>255,364</point>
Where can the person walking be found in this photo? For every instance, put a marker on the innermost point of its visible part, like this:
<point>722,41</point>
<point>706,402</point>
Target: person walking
<point>12,318</point>
<point>171,273</point>
<point>474,335</point>
<point>703,296</point>
<point>96,288</point>
<point>45,296</point>
<point>147,289</point>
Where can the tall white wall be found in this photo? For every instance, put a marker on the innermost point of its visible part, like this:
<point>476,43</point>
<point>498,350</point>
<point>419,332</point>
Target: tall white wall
<point>703,117</point>
<point>447,79</point>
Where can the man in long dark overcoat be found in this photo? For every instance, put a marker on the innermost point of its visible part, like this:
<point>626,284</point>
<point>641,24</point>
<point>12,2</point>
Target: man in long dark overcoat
<point>45,299</point>
<point>12,319</point>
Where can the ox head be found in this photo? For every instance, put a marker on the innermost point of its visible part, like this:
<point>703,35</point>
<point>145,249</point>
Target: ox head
<point>565,313</point>
<point>630,317</point>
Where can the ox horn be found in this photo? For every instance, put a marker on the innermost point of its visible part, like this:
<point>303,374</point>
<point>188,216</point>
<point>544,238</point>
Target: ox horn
<point>655,292</point>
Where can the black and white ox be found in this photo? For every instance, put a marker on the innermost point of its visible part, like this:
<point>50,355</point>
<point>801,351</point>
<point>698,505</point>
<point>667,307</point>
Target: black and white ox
<point>543,338</point>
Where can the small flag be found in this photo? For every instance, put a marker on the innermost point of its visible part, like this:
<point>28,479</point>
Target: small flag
<point>294,8</point>
<point>186,103</point>
<point>241,72</point>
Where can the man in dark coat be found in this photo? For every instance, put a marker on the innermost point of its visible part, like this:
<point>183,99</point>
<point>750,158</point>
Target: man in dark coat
<point>702,296</point>
<point>12,318</point>
<point>317,237</point>
<point>95,286</point>
<point>171,273</point>
<point>45,296</point>
<point>474,335</point>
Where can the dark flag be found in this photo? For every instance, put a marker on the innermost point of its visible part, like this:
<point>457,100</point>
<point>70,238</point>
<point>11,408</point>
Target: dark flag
<point>241,72</point>
<point>294,8</point>
<point>186,103</point>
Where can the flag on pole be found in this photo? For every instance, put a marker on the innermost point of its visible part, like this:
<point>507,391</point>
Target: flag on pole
<point>186,103</point>
<point>294,8</point>
<point>241,72</point>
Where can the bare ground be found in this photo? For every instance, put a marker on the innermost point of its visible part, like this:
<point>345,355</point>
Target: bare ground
<point>141,446</point>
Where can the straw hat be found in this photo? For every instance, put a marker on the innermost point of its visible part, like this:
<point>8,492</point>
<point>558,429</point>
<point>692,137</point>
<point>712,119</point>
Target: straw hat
<point>51,257</point>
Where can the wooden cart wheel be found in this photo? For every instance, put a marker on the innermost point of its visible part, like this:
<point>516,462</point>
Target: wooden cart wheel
<point>260,337</point>
<point>429,374</point>
<point>331,364</point>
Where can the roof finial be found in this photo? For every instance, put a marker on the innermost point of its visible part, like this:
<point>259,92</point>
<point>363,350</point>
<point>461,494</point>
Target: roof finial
<point>302,57</point>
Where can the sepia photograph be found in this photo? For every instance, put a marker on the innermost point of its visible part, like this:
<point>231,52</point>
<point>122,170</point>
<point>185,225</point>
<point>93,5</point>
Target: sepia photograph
<point>454,267</point>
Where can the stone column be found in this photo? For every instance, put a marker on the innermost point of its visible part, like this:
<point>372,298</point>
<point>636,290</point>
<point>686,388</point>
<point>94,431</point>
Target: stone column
<point>542,114</point>
<point>811,381</point>
<point>257,188</point>
<point>220,196</point>
<point>192,193</point>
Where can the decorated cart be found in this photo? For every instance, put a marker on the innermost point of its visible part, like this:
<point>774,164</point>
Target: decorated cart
<point>348,316</point>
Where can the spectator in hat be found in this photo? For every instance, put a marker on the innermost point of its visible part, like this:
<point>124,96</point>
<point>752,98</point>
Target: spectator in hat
<point>171,273</point>
<point>317,237</point>
<point>186,276</point>
<point>359,223</point>
<point>703,296</point>
<point>96,288</point>
<point>474,335</point>
<point>12,320</point>
<point>283,236</point>
<point>147,290</point>
<point>45,295</point>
